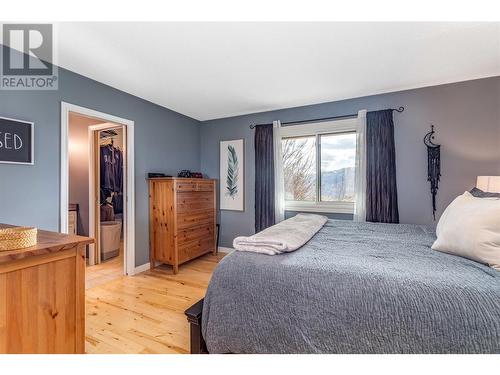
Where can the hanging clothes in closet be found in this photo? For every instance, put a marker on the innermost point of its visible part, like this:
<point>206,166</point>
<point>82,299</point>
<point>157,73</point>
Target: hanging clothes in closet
<point>111,168</point>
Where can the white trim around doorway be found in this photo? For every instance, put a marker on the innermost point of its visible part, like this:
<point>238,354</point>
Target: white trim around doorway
<point>129,240</point>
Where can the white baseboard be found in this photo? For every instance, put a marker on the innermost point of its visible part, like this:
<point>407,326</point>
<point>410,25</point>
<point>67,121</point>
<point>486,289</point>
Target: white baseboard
<point>142,268</point>
<point>225,249</point>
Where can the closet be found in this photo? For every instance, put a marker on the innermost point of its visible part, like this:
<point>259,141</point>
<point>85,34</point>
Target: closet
<point>97,166</point>
<point>111,167</point>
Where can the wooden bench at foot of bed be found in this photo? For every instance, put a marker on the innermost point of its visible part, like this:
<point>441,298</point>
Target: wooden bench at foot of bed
<point>198,345</point>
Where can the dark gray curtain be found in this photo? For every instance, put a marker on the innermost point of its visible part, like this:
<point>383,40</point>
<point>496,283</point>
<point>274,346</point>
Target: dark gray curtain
<point>381,190</point>
<point>264,177</point>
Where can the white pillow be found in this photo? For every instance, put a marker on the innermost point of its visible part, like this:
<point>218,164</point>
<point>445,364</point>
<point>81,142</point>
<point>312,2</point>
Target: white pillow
<point>470,228</point>
<point>445,214</point>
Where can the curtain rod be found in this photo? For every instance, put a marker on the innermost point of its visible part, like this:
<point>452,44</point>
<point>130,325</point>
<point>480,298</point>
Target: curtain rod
<point>400,109</point>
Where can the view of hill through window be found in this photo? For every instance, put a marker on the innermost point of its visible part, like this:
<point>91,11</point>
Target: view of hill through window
<point>336,172</point>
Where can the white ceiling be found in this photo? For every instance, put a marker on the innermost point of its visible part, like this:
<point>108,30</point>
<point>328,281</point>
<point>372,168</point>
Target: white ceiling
<point>213,70</point>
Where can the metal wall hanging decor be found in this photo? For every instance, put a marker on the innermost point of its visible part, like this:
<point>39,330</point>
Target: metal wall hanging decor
<point>433,166</point>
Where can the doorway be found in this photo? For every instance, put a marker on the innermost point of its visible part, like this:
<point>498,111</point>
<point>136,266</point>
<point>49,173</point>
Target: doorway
<point>97,188</point>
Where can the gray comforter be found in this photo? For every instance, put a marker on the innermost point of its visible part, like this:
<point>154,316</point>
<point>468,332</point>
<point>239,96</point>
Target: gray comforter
<point>354,288</point>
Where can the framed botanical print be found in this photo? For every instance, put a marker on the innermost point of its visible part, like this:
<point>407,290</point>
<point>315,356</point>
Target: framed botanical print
<point>232,175</point>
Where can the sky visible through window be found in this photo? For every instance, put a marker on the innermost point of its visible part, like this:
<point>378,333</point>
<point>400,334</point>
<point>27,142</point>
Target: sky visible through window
<point>338,157</point>
<point>338,151</point>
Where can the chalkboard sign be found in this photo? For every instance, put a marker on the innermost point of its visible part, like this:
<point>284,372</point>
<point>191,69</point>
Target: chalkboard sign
<point>16,141</point>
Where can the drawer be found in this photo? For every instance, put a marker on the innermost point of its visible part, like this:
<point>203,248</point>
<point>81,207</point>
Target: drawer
<point>205,186</point>
<point>192,249</point>
<point>185,186</point>
<point>195,218</point>
<point>195,233</point>
<point>188,201</point>
<point>194,186</point>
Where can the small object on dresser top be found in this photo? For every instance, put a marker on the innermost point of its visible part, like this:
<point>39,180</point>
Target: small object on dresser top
<point>185,173</point>
<point>17,238</point>
<point>188,174</point>
<point>157,175</point>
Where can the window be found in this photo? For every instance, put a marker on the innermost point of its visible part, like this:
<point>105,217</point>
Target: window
<point>299,168</point>
<point>319,162</point>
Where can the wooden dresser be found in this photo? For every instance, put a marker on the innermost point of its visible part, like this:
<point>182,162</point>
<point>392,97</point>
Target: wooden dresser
<point>182,219</point>
<point>42,295</point>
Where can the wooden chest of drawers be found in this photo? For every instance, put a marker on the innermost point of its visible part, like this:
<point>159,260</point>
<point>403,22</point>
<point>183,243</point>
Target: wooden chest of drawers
<point>182,219</point>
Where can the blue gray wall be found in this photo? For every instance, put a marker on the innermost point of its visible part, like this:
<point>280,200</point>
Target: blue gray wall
<point>165,141</point>
<point>466,116</point>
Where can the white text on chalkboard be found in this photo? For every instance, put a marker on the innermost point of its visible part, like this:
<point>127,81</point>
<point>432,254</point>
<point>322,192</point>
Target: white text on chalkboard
<point>10,141</point>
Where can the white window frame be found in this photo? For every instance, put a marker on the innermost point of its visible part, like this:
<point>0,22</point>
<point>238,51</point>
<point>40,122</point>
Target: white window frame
<point>317,129</point>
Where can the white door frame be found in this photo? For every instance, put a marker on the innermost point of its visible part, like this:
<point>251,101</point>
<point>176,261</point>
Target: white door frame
<point>129,232</point>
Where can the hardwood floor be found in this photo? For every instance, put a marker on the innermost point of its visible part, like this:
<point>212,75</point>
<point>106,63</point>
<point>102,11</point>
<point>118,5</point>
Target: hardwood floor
<point>106,271</point>
<point>145,313</point>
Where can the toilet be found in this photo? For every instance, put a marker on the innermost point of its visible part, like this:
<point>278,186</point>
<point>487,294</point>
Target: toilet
<point>110,239</point>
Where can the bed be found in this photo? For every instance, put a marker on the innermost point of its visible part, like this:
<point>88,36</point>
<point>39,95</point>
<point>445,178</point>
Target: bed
<point>353,288</point>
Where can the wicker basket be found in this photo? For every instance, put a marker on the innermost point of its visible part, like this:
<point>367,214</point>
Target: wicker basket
<point>17,238</point>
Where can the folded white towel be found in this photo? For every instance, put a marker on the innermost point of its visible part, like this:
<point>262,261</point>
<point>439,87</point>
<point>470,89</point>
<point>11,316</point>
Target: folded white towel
<point>289,235</point>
